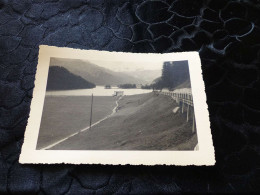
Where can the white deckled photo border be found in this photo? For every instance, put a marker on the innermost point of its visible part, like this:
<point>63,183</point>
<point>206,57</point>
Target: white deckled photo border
<point>204,156</point>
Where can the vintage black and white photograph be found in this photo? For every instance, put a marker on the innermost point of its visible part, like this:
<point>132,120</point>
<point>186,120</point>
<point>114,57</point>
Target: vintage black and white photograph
<point>100,107</point>
<point>95,105</point>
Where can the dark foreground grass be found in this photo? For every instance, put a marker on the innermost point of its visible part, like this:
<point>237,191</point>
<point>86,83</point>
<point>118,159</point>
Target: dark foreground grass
<point>142,122</point>
<point>65,115</point>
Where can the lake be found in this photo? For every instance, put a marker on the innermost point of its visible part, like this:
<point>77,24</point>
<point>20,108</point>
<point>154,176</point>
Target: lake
<point>97,91</point>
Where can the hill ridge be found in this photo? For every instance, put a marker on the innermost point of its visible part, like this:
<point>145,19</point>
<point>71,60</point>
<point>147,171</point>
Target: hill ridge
<point>59,78</point>
<point>94,73</point>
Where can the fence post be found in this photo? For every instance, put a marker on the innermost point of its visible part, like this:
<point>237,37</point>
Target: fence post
<point>193,123</point>
<point>90,121</point>
<point>182,106</point>
<point>188,113</point>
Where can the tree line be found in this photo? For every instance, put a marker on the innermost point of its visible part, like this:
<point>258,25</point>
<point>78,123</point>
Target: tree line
<point>127,86</point>
<point>173,74</point>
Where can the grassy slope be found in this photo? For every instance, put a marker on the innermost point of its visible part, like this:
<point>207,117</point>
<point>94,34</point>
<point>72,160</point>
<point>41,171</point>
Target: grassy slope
<point>143,122</point>
<point>64,115</point>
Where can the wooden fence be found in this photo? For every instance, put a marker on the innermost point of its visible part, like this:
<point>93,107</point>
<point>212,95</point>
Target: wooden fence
<point>184,98</point>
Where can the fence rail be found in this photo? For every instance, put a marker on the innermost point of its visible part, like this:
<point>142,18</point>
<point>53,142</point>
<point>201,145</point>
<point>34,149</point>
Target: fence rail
<point>184,98</point>
<point>180,95</point>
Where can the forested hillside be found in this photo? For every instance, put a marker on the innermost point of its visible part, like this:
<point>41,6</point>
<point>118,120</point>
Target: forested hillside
<point>94,73</point>
<point>174,74</point>
<point>60,78</point>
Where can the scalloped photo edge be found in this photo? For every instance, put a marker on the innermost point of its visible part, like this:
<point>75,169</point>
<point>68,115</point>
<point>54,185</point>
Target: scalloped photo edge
<point>108,120</point>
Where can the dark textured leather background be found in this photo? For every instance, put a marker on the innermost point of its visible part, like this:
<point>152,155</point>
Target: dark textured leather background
<point>227,36</point>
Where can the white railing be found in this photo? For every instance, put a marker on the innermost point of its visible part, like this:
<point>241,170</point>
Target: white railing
<point>183,97</point>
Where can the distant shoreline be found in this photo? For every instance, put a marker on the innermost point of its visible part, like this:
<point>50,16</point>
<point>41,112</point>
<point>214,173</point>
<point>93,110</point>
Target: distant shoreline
<point>97,91</point>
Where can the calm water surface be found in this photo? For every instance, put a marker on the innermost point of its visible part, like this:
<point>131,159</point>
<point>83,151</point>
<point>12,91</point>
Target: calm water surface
<point>97,91</point>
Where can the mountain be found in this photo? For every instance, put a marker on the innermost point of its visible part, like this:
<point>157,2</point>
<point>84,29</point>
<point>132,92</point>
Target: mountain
<point>95,73</point>
<point>60,78</point>
<point>147,75</point>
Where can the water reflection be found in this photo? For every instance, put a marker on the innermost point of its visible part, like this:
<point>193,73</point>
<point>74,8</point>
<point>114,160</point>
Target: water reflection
<point>98,91</point>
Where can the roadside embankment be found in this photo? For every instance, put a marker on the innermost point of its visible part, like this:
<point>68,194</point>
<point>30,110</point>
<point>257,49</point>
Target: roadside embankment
<point>142,122</point>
